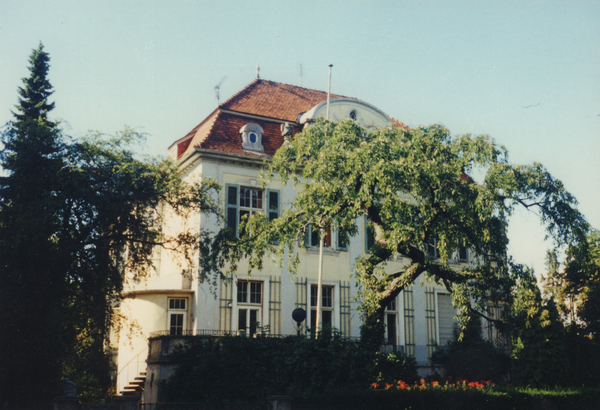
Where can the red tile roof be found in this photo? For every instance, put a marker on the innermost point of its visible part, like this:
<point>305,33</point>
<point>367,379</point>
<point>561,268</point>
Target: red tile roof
<point>275,100</point>
<point>220,131</point>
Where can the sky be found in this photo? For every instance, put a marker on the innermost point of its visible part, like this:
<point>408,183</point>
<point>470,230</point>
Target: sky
<point>527,73</point>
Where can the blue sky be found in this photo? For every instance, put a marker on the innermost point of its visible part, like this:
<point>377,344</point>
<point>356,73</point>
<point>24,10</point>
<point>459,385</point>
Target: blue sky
<point>525,72</point>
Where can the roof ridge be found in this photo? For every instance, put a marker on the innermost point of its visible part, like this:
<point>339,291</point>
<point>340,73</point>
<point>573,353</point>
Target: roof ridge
<point>193,131</point>
<point>245,89</point>
<point>219,112</point>
<point>256,81</point>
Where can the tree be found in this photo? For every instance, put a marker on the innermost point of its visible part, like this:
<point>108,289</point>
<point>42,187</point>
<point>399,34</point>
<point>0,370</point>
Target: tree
<point>539,337</point>
<point>574,286</point>
<point>29,271</point>
<point>74,216</point>
<point>417,190</point>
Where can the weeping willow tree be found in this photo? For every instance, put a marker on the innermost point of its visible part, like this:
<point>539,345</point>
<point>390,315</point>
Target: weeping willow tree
<point>417,190</point>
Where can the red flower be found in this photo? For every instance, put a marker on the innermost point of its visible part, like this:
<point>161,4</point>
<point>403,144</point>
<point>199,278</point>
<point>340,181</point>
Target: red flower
<point>374,385</point>
<point>388,386</point>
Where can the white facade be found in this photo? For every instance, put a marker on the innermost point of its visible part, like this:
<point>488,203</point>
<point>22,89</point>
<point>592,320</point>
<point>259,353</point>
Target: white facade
<point>172,300</point>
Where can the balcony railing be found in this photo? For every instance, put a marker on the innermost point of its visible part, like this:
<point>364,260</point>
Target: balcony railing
<point>223,333</point>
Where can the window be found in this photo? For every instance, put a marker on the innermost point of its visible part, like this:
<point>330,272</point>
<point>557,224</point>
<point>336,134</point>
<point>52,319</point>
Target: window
<point>243,201</point>
<point>342,241</point>
<point>177,315</point>
<point>252,137</point>
<point>326,306</point>
<point>311,237</point>
<point>463,254</point>
<point>249,301</point>
<point>352,115</point>
<point>391,320</point>
<point>249,292</point>
<point>369,236</point>
<point>432,249</point>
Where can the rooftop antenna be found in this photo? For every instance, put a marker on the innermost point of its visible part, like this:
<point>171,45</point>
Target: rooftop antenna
<point>218,89</point>
<point>257,71</point>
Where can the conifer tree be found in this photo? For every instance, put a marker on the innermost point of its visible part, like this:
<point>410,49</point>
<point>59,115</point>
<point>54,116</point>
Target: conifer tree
<point>30,273</point>
<point>68,212</point>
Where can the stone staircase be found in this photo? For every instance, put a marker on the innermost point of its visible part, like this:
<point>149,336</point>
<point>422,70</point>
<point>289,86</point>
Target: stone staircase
<point>135,387</point>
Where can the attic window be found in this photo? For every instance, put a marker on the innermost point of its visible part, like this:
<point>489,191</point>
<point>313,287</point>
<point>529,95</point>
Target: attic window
<point>352,115</point>
<point>252,137</point>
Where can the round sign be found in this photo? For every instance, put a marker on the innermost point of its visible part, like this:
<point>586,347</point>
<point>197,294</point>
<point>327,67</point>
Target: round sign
<point>299,315</point>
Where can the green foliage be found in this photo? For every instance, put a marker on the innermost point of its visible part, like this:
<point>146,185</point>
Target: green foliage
<point>412,185</point>
<point>69,212</point>
<point>472,357</point>
<point>238,368</point>
<point>539,338</point>
<point>476,399</point>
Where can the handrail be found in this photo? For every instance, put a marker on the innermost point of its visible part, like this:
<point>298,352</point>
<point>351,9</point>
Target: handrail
<point>120,384</point>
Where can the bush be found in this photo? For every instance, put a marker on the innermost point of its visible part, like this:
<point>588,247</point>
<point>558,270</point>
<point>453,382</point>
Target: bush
<point>239,368</point>
<point>473,358</point>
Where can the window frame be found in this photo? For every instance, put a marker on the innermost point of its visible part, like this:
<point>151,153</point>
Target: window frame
<point>329,309</point>
<point>249,305</point>
<point>177,311</point>
<point>266,206</point>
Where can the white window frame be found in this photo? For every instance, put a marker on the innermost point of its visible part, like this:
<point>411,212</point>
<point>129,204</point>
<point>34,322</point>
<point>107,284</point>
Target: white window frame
<point>392,309</point>
<point>176,310</point>
<point>334,308</point>
<point>235,207</point>
<point>249,132</point>
<point>248,305</point>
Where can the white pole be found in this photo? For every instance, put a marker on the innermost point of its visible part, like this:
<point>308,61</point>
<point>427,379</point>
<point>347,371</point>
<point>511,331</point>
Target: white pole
<point>317,325</point>
<point>329,90</point>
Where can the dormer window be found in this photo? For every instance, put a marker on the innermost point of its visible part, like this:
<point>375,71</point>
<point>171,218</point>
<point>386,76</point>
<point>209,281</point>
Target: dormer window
<point>252,137</point>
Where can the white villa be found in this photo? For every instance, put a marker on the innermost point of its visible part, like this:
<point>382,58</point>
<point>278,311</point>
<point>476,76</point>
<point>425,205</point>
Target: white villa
<point>230,145</point>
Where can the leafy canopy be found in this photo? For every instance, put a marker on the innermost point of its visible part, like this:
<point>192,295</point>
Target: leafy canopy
<point>74,216</point>
<point>411,185</point>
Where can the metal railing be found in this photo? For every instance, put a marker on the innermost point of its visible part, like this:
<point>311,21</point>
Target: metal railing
<point>132,370</point>
<point>223,333</point>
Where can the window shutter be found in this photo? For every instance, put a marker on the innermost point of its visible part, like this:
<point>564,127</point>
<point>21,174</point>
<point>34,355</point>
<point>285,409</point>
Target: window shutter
<point>232,210</point>
<point>273,204</point>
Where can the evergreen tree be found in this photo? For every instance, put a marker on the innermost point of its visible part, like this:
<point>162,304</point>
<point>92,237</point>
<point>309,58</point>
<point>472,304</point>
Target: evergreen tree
<point>539,337</point>
<point>68,214</point>
<point>32,326</point>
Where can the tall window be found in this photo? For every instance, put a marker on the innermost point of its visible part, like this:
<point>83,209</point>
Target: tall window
<point>432,248</point>
<point>242,201</point>
<point>249,301</point>
<point>342,241</point>
<point>369,236</point>
<point>463,255</point>
<point>311,237</point>
<point>326,306</point>
<point>391,320</point>
<point>177,316</point>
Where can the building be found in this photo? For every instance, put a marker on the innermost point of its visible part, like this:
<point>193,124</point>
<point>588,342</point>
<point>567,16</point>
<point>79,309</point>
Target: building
<point>230,146</point>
